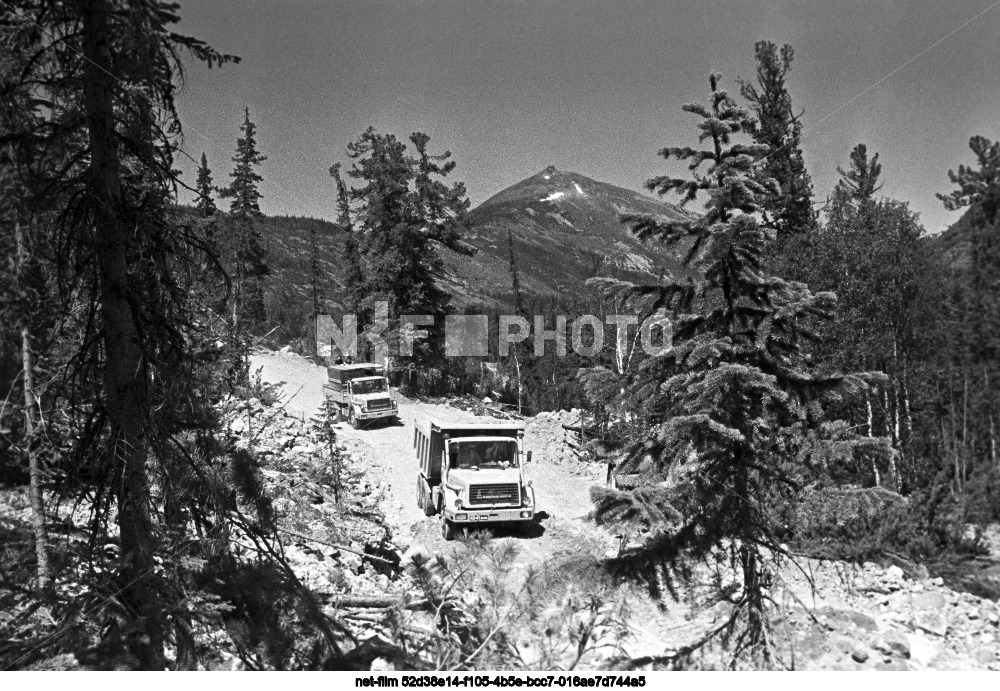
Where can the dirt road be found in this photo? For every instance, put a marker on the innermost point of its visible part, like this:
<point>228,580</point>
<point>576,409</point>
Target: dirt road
<point>562,495</point>
<point>562,529</point>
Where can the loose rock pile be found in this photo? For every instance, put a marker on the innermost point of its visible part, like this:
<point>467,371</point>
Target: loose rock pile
<point>875,617</point>
<point>552,443</point>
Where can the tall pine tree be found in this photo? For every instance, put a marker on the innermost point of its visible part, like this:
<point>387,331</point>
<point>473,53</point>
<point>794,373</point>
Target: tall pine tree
<point>400,211</point>
<point>354,279</point>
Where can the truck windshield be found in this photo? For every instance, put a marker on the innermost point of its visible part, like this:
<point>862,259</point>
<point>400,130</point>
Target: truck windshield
<point>369,386</point>
<point>483,454</point>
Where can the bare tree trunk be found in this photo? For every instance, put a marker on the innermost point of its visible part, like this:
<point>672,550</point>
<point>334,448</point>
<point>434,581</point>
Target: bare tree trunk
<point>965,426</point>
<point>31,423</point>
<point>894,404</point>
<point>868,406</point>
<point>907,414</point>
<point>125,397</point>
<point>517,366</point>
<point>989,403</point>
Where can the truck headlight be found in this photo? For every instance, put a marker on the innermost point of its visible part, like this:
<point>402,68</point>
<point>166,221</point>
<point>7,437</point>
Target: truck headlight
<point>458,503</point>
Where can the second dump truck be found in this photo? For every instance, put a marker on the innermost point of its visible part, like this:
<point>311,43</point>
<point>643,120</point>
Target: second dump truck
<point>472,474</point>
<point>361,393</point>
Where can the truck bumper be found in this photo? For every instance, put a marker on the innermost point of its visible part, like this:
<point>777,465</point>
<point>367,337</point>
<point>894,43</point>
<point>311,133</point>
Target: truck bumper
<point>475,516</point>
<point>377,414</point>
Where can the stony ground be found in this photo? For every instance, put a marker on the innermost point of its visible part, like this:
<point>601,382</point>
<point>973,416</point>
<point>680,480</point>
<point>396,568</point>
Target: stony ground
<point>834,616</point>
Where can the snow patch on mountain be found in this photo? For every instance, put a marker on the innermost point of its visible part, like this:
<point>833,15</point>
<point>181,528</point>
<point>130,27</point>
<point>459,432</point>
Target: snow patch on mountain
<point>554,196</point>
<point>562,219</point>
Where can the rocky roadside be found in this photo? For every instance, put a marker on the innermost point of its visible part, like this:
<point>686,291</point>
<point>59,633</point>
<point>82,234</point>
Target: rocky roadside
<point>875,617</point>
<point>333,531</point>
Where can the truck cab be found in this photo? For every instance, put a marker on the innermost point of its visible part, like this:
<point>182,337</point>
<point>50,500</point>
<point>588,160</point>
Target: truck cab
<point>361,393</point>
<point>473,474</point>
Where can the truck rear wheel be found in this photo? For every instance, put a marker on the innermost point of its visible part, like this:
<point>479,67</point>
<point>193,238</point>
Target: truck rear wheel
<point>427,500</point>
<point>423,498</point>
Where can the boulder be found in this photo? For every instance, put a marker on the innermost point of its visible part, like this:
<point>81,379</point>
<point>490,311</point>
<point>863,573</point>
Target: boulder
<point>897,642</point>
<point>859,655</point>
<point>929,601</point>
<point>930,622</point>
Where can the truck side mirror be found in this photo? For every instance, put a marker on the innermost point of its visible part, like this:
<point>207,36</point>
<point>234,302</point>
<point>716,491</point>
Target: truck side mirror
<point>527,458</point>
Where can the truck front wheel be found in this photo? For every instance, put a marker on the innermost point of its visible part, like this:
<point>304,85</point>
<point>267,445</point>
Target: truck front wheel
<point>447,529</point>
<point>355,422</point>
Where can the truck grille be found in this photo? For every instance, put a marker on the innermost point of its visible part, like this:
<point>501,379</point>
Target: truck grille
<point>495,494</point>
<point>380,404</point>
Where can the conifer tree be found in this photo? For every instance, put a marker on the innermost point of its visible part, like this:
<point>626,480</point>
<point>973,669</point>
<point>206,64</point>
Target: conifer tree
<point>249,254</point>
<point>780,130</point>
<point>354,279</point>
<point>401,209</point>
<point>861,179</point>
<point>204,203</point>
<point>444,209</point>
<point>732,401</point>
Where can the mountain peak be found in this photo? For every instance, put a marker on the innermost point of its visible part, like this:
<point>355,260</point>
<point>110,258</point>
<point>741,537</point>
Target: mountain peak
<point>563,228</point>
<point>552,186</point>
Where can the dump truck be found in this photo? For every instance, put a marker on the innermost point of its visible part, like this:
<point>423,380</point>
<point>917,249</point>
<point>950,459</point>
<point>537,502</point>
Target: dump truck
<point>472,475</point>
<point>361,393</point>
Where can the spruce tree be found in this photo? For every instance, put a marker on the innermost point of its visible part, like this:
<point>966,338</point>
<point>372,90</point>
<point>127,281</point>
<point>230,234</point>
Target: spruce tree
<point>730,404</point>
<point>204,203</point>
<point>249,254</point>
<point>780,130</point>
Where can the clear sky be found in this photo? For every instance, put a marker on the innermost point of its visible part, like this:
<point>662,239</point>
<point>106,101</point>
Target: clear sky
<point>594,87</point>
